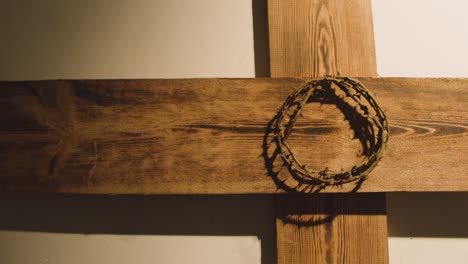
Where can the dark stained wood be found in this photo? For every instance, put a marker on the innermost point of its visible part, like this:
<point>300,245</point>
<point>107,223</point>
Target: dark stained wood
<point>206,135</point>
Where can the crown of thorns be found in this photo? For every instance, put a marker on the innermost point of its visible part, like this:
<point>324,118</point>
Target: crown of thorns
<point>371,128</point>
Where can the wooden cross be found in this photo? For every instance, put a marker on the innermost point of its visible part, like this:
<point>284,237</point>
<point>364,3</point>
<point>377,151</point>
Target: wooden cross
<point>198,136</point>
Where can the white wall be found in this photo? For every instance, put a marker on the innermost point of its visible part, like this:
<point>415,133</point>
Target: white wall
<point>421,38</point>
<point>210,38</point>
<point>424,38</point>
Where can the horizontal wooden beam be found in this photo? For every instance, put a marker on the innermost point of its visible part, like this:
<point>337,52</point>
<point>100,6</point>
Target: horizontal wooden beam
<point>207,136</point>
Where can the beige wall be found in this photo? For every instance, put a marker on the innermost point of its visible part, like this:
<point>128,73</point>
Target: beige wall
<point>210,38</point>
<point>126,39</point>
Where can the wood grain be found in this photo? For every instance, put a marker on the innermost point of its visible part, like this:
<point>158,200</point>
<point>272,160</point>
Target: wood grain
<point>317,38</point>
<point>331,228</point>
<point>206,135</point>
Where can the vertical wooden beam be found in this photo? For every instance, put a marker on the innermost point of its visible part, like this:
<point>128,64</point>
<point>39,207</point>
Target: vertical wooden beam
<point>314,38</point>
<point>331,228</point>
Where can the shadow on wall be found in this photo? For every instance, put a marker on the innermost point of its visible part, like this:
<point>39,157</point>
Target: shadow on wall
<point>427,215</point>
<point>204,215</point>
<point>260,30</point>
